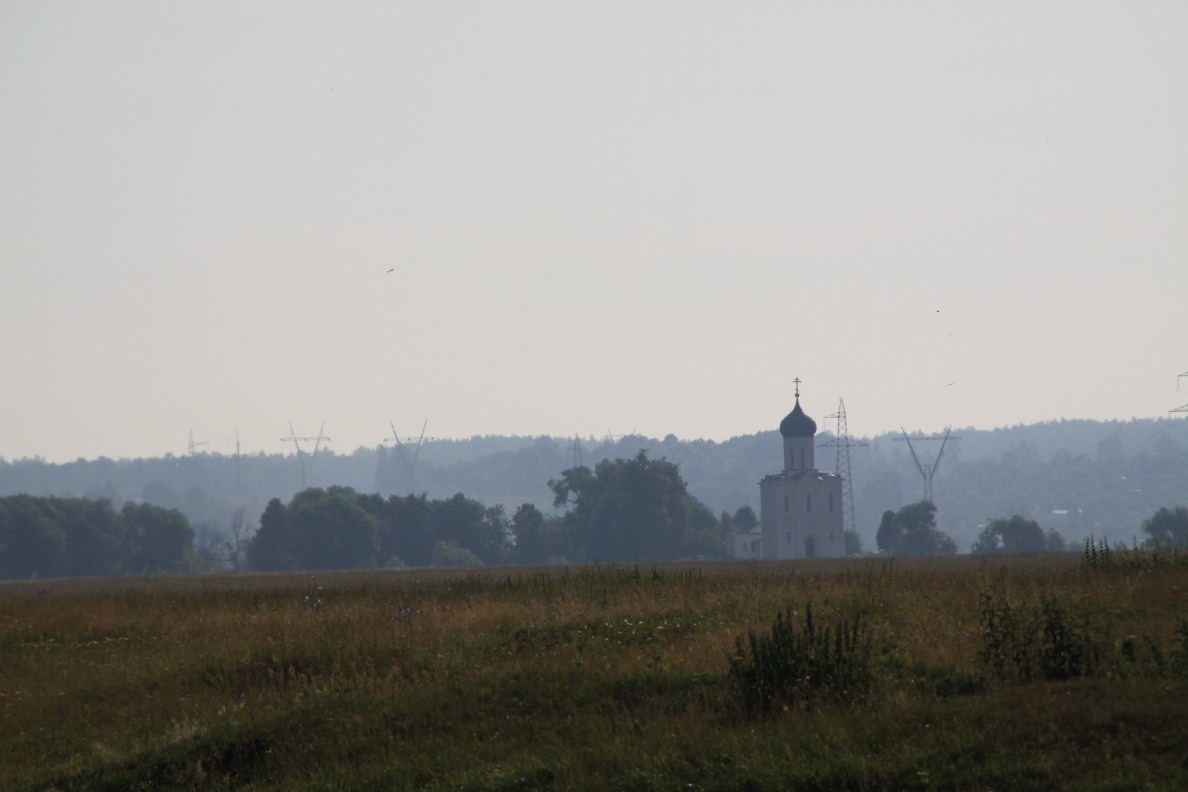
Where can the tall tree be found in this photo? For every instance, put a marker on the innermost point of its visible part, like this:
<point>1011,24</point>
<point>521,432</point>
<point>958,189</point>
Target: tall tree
<point>97,538</point>
<point>1168,527</point>
<point>888,534</point>
<point>32,544</point>
<point>631,509</point>
<point>163,538</point>
<point>913,531</point>
<point>467,523</point>
<point>269,549</point>
<point>406,534</point>
<point>528,526</point>
<point>329,530</point>
<point>745,519</point>
<point>1014,535</point>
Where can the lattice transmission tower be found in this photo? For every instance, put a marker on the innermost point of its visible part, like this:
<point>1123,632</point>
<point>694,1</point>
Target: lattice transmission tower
<point>576,450</point>
<point>841,440</point>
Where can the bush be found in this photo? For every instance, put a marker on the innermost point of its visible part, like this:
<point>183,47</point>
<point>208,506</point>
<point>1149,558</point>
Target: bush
<point>452,554</point>
<point>1027,643</point>
<point>790,665</point>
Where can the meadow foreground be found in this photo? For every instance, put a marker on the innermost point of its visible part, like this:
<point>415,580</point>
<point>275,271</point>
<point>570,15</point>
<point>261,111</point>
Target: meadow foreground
<point>1034,672</point>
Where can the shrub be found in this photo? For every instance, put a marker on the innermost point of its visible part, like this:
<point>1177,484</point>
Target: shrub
<point>450,554</point>
<point>1025,644</point>
<point>798,665</point>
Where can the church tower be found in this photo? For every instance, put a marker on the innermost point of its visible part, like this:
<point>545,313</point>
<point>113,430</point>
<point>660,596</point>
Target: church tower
<point>801,507</point>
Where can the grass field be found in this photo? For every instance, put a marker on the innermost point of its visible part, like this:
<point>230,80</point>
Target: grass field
<point>959,673</point>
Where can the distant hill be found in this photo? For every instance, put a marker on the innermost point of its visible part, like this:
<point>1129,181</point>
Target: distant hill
<point>1100,478</point>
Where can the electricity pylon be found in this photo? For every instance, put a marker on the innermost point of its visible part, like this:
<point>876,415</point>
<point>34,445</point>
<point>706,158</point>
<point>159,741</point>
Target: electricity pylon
<point>576,450</point>
<point>297,441</point>
<point>410,465</point>
<point>927,471</point>
<point>841,440</point>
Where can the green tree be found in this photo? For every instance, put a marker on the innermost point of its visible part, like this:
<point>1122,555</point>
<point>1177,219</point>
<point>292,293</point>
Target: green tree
<point>1167,527</point>
<point>329,530</point>
<point>32,543</point>
<point>853,543</point>
<point>1054,542</point>
<point>703,537</point>
<point>745,520</point>
<point>468,524</point>
<point>496,535</point>
<point>532,543</point>
<point>633,509</point>
<point>912,531</point>
<point>1014,535</point>
<point>406,531</point>
<point>888,535</point>
<point>269,549</point>
<point>726,523</point>
<point>97,541</point>
<point>162,538</point>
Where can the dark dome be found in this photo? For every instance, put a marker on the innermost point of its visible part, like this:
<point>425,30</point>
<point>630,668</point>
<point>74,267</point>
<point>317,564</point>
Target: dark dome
<point>797,424</point>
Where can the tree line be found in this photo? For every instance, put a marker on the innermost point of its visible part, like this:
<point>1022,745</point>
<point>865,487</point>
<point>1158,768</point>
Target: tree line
<point>622,510</point>
<point>79,537</point>
<point>912,531</point>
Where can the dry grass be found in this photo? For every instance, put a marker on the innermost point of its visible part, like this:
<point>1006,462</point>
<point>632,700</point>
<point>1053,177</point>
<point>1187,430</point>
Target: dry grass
<point>563,678</point>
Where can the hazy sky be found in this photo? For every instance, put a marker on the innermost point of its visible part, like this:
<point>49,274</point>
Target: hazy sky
<point>600,217</point>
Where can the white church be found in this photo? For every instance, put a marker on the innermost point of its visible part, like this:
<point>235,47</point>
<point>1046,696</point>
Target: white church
<point>800,507</point>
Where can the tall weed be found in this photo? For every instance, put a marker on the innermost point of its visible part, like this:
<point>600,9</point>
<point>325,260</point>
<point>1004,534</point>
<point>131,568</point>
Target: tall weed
<point>792,664</point>
<point>1024,644</point>
<point>1100,556</point>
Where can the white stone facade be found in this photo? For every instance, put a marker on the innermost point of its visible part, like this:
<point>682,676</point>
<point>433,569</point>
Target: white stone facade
<point>801,515</point>
<point>747,545</point>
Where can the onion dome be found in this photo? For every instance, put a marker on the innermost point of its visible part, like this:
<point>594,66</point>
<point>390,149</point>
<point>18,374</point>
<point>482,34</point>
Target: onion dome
<point>797,424</point>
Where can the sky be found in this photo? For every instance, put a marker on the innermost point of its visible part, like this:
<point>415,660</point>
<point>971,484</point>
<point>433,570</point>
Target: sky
<point>560,218</point>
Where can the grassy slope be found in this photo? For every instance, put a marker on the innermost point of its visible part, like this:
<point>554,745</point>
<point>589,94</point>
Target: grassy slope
<point>573,678</point>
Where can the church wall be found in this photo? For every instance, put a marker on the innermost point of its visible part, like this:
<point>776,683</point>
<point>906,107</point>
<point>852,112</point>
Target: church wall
<point>796,507</point>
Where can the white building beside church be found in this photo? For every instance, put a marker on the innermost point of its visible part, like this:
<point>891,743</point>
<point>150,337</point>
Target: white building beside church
<point>800,507</point>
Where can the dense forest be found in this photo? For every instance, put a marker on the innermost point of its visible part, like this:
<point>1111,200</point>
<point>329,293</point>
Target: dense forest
<point>1077,478</point>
